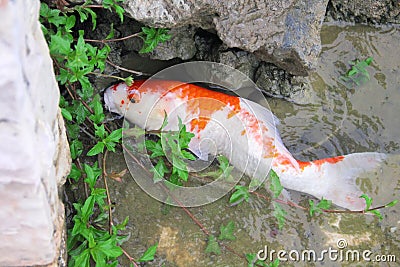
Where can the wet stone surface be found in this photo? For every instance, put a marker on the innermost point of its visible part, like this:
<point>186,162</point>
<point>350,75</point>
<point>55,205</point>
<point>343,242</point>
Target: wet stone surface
<point>338,119</point>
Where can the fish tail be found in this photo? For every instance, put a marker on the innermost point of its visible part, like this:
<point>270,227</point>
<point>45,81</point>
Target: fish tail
<point>335,178</point>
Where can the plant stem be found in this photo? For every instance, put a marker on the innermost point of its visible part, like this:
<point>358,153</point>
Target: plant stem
<point>103,167</point>
<point>106,75</point>
<point>113,40</point>
<point>131,259</point>
<point>124,69</point>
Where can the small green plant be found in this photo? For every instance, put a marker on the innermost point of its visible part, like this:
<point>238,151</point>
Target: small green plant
<point>93,239</point>
<point>212,245</point>
<point>226,233</point>
<point>171,145</point>
<point>253,261</point>
<point>322,205</point>
<point>152,37</point>
<point>358,72</point>
<point>376,212</point>
<point>240,194</point>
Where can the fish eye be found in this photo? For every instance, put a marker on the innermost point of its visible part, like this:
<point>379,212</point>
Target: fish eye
<point>132,100</point>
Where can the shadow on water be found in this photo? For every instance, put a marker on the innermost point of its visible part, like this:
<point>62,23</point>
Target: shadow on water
<point>337,120</point>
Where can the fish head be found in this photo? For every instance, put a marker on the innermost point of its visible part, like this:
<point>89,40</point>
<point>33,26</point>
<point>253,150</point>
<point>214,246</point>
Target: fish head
<point>136,103</point>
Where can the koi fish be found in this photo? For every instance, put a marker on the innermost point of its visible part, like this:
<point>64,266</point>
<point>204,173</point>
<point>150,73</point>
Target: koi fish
<point>244,132</point>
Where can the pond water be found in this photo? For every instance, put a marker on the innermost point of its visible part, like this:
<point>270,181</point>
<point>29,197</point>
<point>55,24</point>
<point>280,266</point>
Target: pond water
<point>327,120</point>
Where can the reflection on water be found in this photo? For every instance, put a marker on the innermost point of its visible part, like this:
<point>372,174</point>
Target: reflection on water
<point>331,120</point>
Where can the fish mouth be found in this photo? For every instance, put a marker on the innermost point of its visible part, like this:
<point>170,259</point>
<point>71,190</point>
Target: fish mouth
<point>109,101</point>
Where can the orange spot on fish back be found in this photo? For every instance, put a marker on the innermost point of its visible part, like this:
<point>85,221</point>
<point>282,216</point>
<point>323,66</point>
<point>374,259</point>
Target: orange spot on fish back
<point>200,101</point>
<point>319,162</point>
<point>303,164</point>
<point>203,103</point>
<point>199,124</point>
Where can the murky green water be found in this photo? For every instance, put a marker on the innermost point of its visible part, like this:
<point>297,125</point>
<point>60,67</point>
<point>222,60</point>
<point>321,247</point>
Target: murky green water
<point>331,120</point>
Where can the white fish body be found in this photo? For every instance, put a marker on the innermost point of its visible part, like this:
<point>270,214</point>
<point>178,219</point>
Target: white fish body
<point>244,132</point>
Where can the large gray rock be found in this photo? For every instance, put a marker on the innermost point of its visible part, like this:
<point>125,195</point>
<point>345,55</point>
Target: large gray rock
<point>283,32</point>
<point>181,45</point>
<point>374,11</point>
<point>34,152</point>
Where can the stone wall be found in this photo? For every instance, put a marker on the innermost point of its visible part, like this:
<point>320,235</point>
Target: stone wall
<point>365,11</point>
<point>283,32</point>
<point>34,153</point>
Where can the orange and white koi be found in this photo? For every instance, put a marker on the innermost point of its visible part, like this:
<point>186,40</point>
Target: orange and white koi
<point>243,131</point>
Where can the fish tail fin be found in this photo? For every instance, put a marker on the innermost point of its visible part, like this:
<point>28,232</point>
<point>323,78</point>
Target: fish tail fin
<point>335,178</point>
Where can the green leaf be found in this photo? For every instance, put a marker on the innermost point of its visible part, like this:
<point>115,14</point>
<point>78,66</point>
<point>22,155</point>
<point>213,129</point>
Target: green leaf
<point>76,148</point>
<point>224,166</point>
<point>159,171</point>
<point>99,194</point>
<point>70,23</point>
<point>66,114</point>
<point>183,174</point>
<point>100,131</point>
<point>83,259</point>
<point>275,185</point>
<point>128,80</point>
<point>376,213</point>
<point>92,173</point>
<point>111,34</point>
<point>212,245</point>
<point>82,15</point>
<point>59,45</point>
<point>369,60</point>
<point>109,247</point>
<point>352,72</point>
<point>391,204</point>
<point>115,136</point>
<point>120,11</point>
<point>188,155</point>
<point>109,144</point>
<point>155,147</point>
<point>279,214</point>
<point>92,243</point>
<point>152,38</point>
<point>313,208</point>
<point>75,173</point>
<point>98,148</point>
<point>44,10</point>
<point>87,209</point>
<point>93,15</point>
<point>227,231</point>
<point>368,201</point>
<point>275,263</point>
<point>80,111</point>
<point>98,115</point>
<point>165,121</point>
<point>73,130</point>
<point>122,225</point>
<point>252,260</point>
<point>175,179</point>
<point>324,204</point>
<point>148,255</point>
<point>241,193</point>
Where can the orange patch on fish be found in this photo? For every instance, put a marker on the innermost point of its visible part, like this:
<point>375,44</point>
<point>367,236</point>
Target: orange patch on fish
<point>200,123</point>
<point>319,162</point>
<point>203,103</point>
